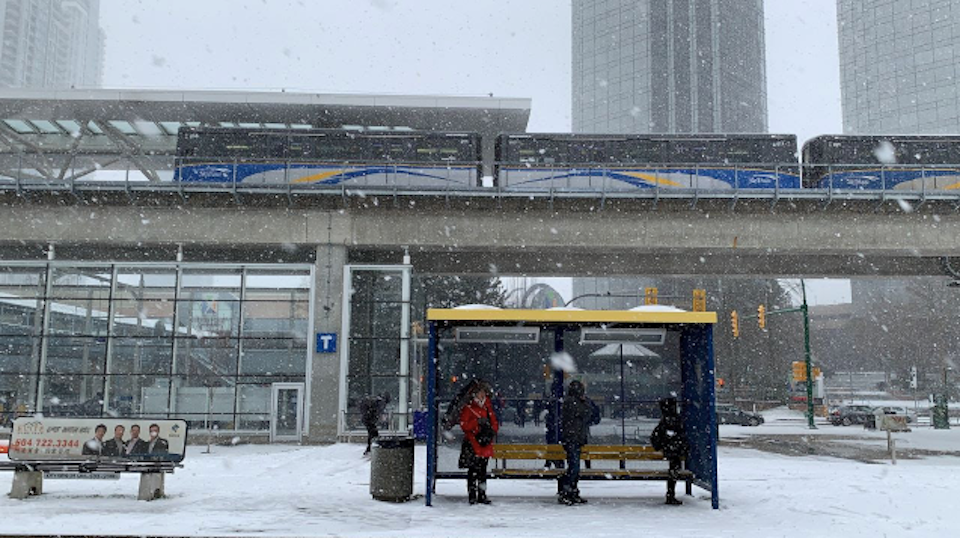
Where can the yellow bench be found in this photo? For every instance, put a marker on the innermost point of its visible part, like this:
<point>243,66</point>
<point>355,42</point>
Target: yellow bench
<point>503,453</point>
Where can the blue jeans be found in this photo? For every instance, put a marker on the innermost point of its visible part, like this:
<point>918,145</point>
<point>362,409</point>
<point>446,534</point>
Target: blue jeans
<point>570,478</point>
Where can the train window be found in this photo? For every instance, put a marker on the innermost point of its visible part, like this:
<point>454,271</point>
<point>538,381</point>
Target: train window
<point>690,152</point>
<point>636,151</point>
<point>268,145</point>
<point>302,147</point>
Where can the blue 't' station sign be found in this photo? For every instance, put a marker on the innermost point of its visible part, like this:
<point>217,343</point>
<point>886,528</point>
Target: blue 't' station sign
<point>326,342</point>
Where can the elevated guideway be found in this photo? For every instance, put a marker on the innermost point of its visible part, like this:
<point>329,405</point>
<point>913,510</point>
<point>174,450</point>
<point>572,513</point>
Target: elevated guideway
<point>89,172</point>
<point>480,233</point>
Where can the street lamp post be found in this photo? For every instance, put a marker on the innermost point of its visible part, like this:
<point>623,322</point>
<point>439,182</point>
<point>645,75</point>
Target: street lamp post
<point>806,348</point>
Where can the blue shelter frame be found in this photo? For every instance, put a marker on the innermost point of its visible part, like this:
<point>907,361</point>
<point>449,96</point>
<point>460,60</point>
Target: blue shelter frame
<point>696,367</point>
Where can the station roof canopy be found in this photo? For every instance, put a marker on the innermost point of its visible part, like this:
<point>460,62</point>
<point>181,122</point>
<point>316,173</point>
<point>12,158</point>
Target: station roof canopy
<point>463,316</point>
<point>100,120</point>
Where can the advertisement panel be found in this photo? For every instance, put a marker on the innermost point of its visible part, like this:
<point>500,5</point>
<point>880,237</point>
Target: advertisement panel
<point>105,439</point>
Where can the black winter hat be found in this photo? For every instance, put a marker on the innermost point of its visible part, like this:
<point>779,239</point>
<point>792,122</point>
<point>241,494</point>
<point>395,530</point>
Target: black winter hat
<point>576,389</point>
<point>668,406</point>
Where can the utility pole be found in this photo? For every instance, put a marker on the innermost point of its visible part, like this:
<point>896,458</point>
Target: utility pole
<point>806,348</point>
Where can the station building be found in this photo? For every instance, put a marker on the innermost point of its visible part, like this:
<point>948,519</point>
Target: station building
<point>276,341</point>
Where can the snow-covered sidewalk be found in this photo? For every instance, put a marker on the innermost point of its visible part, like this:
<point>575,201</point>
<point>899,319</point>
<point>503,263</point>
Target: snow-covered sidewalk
<point>324,491</point>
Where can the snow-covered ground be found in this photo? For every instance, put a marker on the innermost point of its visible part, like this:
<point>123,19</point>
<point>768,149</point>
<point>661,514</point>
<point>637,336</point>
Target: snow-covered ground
<point>324,491</point>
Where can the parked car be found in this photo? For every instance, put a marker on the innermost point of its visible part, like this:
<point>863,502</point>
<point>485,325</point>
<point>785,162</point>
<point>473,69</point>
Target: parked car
<point>846,415</point>
<point>897,410</point>
<point>731,414</point>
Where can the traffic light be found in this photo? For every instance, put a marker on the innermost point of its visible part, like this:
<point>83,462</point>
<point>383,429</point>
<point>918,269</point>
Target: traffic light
<point>650,296</point>
<point>799,371</point>
<point>762,316</point>
<point>735,324</point>
<point>699,300</point>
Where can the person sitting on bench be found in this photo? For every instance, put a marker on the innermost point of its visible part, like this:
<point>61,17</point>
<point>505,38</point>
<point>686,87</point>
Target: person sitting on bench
<point>668,437</point>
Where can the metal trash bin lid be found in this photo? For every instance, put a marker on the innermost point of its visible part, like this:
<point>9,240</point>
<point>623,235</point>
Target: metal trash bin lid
<point>394,442</point>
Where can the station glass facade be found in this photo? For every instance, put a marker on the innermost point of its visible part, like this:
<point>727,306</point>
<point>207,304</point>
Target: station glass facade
<point>202,342</point>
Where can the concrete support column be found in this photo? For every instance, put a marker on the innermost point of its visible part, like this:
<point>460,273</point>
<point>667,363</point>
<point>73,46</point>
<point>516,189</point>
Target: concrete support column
<point>26,484</point>
<point>151,486</point>
<point>327,318</point>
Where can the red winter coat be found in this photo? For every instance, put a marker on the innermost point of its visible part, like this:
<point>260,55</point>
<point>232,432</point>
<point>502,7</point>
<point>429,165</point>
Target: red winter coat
<point>470,424</point>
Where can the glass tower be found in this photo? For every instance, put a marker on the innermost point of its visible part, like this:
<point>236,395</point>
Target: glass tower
<point>669,66</point>
<point>898,66</point>
<point>50,44</point>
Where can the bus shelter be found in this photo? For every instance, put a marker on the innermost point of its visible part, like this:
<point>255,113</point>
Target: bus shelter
<point>628,360</point>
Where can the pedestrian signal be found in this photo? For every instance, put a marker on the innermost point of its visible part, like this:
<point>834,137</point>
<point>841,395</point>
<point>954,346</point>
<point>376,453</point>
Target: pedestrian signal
<point>650,296</point>
<point>735,324</point>
<point>762,316</point>
<point>799,371</point>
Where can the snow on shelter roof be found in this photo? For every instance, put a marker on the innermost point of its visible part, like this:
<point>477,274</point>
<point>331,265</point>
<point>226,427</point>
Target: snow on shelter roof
<point>152,118</point>
<point>574,317</point>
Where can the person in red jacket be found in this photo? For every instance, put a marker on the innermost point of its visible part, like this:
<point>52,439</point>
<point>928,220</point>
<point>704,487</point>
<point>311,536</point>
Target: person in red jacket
<point>479,424</point>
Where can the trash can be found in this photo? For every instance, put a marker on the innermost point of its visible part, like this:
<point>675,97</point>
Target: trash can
<point>391,469</point>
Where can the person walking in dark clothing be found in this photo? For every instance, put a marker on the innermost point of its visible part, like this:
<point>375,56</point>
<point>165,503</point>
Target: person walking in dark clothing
<point>579,413</point>
<point>371,408</point>
<point>552,431</point>
<point>521,406</point>
<point>668,437</point>
<point>480,426</point>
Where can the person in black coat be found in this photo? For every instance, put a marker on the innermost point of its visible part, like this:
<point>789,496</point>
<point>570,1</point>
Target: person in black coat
<point>157,447</point>
<point>94,447</point>
<point>670,438</point>
<point>579,413</point>
<point>115,447</point>
<point>371,408</point>
<point>135,446</point>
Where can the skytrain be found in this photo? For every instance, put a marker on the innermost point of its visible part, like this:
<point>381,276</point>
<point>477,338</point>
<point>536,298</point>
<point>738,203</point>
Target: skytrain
<point>327,157</point>
<point>541,161</point>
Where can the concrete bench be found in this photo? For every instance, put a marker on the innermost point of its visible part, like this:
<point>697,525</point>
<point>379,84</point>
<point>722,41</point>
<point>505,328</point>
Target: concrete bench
<point>77,448</point>
<point>28,475</point>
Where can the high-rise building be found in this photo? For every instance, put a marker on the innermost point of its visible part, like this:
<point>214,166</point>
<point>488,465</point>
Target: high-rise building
<point>899,66</point>
<point>669,66</point>
<point>50,44</point>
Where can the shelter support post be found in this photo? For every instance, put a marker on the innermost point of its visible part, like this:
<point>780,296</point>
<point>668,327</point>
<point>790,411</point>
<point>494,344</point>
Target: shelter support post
<point>699,406</point>
<point>431,415</point>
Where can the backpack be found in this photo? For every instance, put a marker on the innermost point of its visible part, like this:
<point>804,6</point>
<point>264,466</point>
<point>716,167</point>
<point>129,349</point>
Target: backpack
<point>486,434</point>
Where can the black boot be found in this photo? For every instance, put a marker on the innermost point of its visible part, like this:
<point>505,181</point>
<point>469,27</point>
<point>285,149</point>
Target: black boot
<point>482,491</point>
<point>672,494</point>
<point>472,490</point>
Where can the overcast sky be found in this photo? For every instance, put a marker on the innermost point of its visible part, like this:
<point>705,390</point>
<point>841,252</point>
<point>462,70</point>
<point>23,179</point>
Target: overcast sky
<point>516,48</point>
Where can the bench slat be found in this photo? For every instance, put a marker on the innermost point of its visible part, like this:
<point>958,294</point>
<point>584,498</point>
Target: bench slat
<point>588,452</point>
